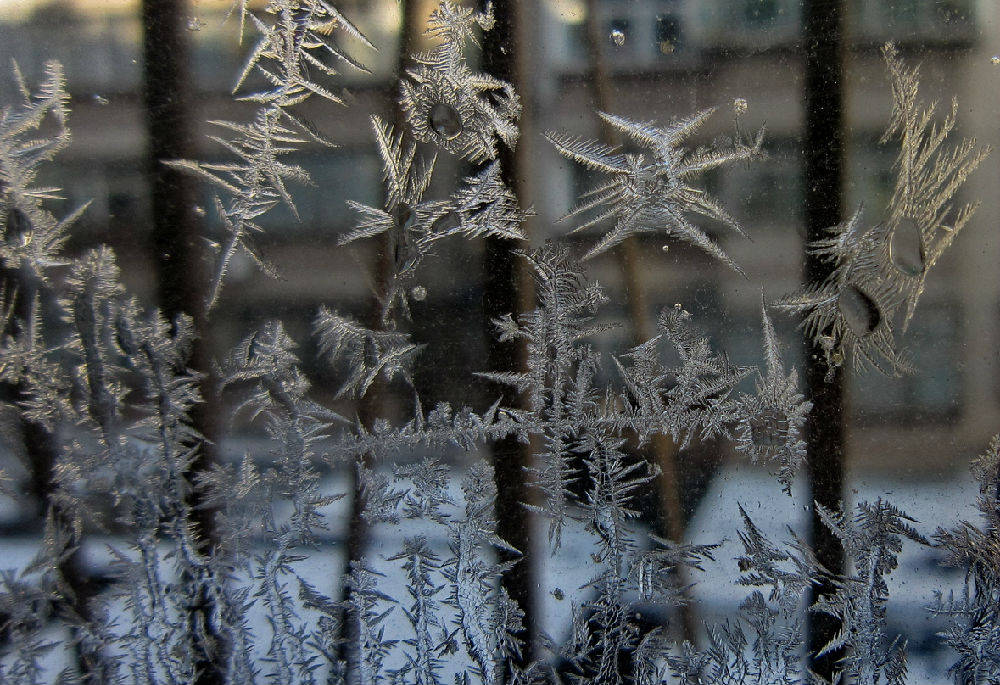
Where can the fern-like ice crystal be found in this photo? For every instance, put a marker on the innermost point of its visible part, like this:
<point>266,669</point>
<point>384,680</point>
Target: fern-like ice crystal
<point>448,103</point>
<point>878,273</point>
<point>652,191</point>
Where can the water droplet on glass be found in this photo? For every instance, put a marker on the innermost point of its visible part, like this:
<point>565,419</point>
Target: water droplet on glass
<point>995,59</point>
<point>558,594</point>
<point>100,100</point>
<point>195,24</point>
<point>859,310</point>
<point>419,293</point>
<point>906,249</point>
<point>444,121</point>
<point>618,37</point>
<point>740,106</point>
<point>446,223</point>
<point>18,226</point>
<point>407,218</point>
<point>665,248</point>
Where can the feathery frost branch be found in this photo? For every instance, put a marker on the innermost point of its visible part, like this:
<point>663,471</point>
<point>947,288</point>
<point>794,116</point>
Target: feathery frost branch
<point>879,273</point>
<point>294,45</point>
<point>652,191</point>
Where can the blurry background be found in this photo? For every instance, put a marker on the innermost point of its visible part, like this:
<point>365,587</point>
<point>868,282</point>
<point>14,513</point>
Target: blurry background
<point>912,436</point>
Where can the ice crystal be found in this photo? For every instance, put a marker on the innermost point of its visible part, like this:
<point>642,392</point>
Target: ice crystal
<point>438,427</point>
<point>368,353</point>
<point>448,103</point>
<point>27,598</point>
<point>32,132</point>
<point>559,377</point>
<point>368,608</point>
<point>696,399</point>
<point>490,620</point>
<point>878,274</point>
<point>653,191</point>
<point>294,46</point>
<point>610,629</point>
<point>32,236</point>
<point>429,491</point>
<point>482,206</point>
<point>771,421</point>
<point>431,639</point>
<point>294,38</point>
<point>762,645</point>
<point>845,316</point>
<point>923,217</point>
<point>265,367</point>
<point>872,542</point>
<point>974,629</point>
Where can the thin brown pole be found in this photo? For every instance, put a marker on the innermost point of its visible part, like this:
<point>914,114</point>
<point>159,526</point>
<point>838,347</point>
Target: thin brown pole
<point>370,405</point>
<point>823,143</point>
<point>664,451</point>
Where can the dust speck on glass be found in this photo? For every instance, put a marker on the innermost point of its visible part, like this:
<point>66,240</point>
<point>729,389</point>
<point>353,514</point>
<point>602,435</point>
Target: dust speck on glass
<point>525,341</point>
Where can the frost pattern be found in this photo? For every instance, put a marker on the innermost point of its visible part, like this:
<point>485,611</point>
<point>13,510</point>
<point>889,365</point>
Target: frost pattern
<point>293,48</point>
<point>763,645</point>
<point>367,353</point>
<point>653,192</point>
<point>446,102</point>
<point>975,614</point>
<point>482,206</point>
<point>119,376</point>
<point>770,423</point>
<point>872,542</point>
<point>879,273</point>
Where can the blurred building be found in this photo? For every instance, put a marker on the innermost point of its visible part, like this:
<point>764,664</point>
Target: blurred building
<point>680,56</point>
<point>677,56</point>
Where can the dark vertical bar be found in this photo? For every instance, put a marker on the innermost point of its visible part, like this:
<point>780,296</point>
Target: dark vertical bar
<point>167,99</point>
<point>824,169</point>
<point>175,243</point>
<point>505,292</point>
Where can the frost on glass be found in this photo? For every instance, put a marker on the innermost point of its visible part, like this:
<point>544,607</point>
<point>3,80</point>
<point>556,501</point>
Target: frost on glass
<point>427,612</point>
<point>482,206</point>
<point>448,103</point>
<point>654,191</point>
<point>880,271</point>
<point>290,63</point>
